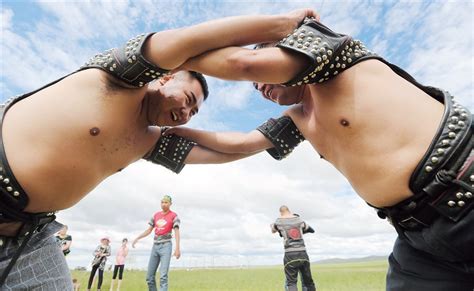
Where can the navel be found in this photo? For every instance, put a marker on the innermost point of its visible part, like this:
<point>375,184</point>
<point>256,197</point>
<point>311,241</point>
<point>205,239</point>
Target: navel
<point>344,122</point>
<point>94,131</point>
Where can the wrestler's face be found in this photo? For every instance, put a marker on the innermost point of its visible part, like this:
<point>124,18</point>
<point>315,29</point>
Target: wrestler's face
<point>281,94</point>
<point>178,98</point>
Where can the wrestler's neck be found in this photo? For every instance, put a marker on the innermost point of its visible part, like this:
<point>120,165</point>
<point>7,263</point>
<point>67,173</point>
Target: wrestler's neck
<point>307,100</point>
<point>148,111</point>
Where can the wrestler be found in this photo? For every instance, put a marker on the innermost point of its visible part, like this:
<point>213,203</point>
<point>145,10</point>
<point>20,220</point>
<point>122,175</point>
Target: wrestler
<point>406,148</point>
<point>60,141</point>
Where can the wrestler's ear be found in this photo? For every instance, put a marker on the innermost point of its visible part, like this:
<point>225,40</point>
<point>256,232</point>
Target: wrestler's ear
<point>166,78</point>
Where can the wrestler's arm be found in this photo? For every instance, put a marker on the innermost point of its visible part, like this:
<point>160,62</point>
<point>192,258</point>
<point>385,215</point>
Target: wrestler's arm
<point>268,65</point>
<point>202,155</point>
<point>171,48</point>
<point>237,143</point>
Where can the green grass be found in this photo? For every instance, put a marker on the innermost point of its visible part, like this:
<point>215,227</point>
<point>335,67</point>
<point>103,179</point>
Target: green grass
<point>367,276</point>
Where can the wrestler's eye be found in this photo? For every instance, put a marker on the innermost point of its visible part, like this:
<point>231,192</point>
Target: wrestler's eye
<point>255,85</point>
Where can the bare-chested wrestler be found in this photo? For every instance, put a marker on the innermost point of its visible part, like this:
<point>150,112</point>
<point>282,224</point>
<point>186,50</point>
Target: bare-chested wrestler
<point>61,141</point>
<point>405,148</point>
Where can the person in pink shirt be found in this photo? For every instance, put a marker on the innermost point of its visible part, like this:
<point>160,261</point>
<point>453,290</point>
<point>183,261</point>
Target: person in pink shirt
<point>119,264</point>
<point>163,222</point>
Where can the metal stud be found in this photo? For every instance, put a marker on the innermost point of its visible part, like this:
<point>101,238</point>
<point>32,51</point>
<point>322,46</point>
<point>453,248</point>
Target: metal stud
<point>459,195</point>
<point>9,189</point>
<point>428,169</point>
<point>434,160</point>
<point>468,195</point>
<point>440,151</point>
<point>451,203</point>
<point>461,203</point>
<point>445,142</point>
<point>451,134</point>
<point>471,178</point>
<point>6,180</point>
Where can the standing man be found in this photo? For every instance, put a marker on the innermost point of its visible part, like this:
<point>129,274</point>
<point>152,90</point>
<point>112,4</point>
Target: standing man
<point>291,227</point>
<point>163,222</point>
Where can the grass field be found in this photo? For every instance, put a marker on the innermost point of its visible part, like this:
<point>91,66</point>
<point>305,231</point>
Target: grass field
<point>367,276</point>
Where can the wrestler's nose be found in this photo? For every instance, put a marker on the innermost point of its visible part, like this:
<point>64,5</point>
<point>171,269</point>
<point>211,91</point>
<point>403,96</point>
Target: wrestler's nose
<point>259,86</point>
<point>185,114</point>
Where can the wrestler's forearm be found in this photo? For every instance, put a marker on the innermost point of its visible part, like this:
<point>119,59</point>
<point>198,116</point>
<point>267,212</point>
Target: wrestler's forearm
<point>169,49</point>
<point>226,142</point>
<point>202,155</point>
<point>269,65</point>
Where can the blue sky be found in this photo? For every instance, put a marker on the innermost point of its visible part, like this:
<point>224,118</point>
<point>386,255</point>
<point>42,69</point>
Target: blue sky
<point>226,209</point>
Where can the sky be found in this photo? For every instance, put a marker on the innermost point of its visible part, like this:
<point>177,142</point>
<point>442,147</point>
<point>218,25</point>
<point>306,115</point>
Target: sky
<point>226,210</point>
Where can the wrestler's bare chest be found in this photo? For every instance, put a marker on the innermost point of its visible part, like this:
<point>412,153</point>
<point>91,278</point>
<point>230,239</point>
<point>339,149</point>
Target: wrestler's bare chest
<point>64,140</point>
<point>373,126</point>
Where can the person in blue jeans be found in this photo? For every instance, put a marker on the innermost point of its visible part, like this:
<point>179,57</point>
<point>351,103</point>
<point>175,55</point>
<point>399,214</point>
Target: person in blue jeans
<point>163,222</point>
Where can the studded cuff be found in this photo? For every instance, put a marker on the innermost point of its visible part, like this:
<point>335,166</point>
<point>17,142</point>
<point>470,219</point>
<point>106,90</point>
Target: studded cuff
<point>127,63</point>
<point>283,134</point>
<point>329,53</point>
<point>170,151</point>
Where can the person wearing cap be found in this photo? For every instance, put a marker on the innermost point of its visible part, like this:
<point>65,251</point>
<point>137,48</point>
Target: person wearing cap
<point>101,253</point>
<point>163,222</point>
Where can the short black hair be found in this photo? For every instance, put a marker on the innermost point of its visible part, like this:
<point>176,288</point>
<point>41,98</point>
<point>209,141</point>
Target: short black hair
<point>200,77</point>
